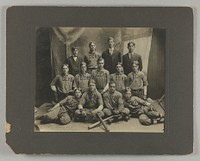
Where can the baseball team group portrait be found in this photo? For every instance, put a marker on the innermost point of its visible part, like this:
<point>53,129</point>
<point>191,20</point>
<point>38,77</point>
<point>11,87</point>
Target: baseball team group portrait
<point>100,79</point>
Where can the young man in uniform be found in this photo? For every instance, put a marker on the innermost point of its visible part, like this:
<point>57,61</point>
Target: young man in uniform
<point>111,56</point>
<point>90,104</point>
<point>62,84</point>
<point>74,61</point>
<point>141,109</point>
<point>130,57</point>
<point>114,103</point>
<point>91,58</point>
<point>101,77</point>
<point>137,81</point>
<point>63,112</point>
<point>81,80</point>
<point>119,78</point>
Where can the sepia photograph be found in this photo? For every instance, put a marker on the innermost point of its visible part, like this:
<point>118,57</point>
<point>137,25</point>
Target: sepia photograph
<point>100,79</point>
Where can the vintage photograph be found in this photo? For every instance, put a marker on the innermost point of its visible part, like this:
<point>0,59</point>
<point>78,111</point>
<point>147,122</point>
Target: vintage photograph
<point>100,79</point>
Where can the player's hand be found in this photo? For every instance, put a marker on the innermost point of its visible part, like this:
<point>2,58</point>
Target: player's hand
<point>53,88</point>
<point>152,107</point>
<point>145,97</point>
<point>51,109</point>
<point>116,112</point>
<point>94,112</point>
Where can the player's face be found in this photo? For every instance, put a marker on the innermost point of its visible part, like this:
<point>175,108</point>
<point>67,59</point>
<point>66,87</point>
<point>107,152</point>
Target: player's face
<point>92,87</point>
<point>111,43</point>
<point>92,47</point>
<point>101,64</point>
<point>112,87</point>
<point>75,52</point>
<point>77,94</point>
<point>127,95</point>
<point>65,69</point>
<point>83,69</point>
<point>135,67</point>
<point>131,48</point>
<point>119,68</point>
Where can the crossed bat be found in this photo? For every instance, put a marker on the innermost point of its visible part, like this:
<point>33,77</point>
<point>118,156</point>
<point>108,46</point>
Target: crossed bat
<point>102,121</point>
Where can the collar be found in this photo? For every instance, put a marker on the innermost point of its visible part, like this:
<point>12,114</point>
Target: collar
<point>110,50</point>
<point>100,70</point>
<point>91,93</point>
<point>65,75</point>
<point>135,73</point>
<point>92,54</point>
<point>119,73</point>
<point>83,74</point>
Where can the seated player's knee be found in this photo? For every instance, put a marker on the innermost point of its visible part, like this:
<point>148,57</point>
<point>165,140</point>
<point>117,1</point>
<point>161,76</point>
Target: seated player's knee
<point>65,119</point>
<point>101,113</point>
<point>145,120</point>
<point>78,112</point>
<point>107,112</point>
<point>126,111</point>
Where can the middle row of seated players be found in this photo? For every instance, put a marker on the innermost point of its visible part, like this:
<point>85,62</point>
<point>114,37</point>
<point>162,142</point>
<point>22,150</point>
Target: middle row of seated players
<point>84,108</point>
<point>63,84</point>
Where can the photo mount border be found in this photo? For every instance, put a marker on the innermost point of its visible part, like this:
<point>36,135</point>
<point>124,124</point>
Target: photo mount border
<point>20,60</point>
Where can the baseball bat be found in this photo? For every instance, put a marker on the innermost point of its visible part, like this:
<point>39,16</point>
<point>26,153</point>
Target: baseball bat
<point>103,123</point>
<point>98,123</point>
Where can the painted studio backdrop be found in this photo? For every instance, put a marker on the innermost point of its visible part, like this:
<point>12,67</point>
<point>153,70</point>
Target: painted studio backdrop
<point>53,46</point>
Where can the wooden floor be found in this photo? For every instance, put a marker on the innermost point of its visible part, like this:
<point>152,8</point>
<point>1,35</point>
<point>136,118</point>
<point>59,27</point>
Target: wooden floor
<point>133,125</point>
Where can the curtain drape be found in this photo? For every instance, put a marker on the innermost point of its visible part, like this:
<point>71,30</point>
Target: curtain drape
<point>63,38</point>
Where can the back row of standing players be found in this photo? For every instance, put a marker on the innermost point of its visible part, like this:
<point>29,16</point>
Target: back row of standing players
<point>96,76</point>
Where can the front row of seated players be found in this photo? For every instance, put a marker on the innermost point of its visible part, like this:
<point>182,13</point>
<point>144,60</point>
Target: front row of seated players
<point>85,108</point>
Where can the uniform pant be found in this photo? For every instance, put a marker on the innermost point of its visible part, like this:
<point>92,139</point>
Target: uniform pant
<point>86,115</point>
<point>145,114</point>
<point>123,111</point>
<point>58,115</point>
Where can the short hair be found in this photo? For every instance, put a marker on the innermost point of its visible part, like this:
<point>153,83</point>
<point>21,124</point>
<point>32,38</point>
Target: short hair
<point>74,47</point>
<point>111,38</point>
<point>131,42</point>
<point>91,42</point>
<point>91,81</point>
<point>119,64</point>
<point>127,89</point>
<point>77,89</point>
<point>112,82</point>
<point>83,64</point>
<point>100,59</point>
<point>65,65</point>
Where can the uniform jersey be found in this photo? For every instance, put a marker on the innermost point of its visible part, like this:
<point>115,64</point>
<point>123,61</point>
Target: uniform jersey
<point>137,80</point>
<point>91,60</point>
<point>113,101</point>
<point>81,81</point>
<point>101,78</point>
<point>63,83</point>
<point>120,80</point>
<point>91,100</point>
